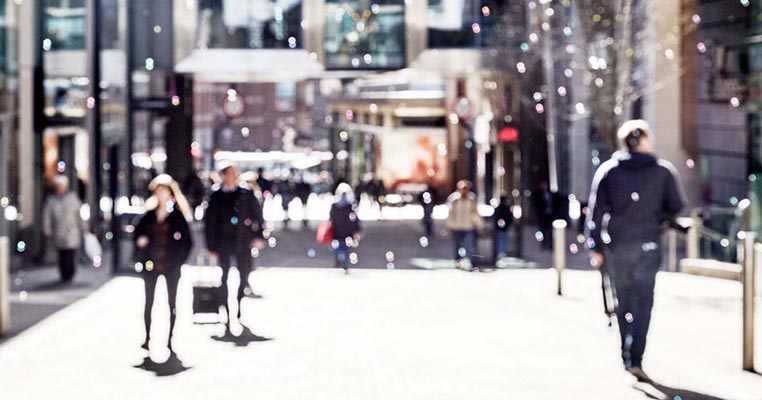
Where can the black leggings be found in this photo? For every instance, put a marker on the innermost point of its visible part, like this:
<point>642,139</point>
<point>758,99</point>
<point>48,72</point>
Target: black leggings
<point>150,279</point>
<point>66,264</point>
<point>244,262</point>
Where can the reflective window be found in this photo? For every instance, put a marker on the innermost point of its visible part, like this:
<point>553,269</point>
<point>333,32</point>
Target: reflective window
<point>464,23</point>
<point>250,24</point>
<point>360,34</point>
<point>65,22</point>
<point>7,40</point>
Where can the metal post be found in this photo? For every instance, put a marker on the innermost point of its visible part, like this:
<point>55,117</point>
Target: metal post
<point>559,250</point>
<point>5,287</point>
<point>672,238</point>
<point>94,115</point>
<point>749,239</point>
<point>692,238</point>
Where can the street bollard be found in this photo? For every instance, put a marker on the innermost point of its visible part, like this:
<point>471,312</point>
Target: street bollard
<point>559,250</point>
<point>749,239</point>
<point>5,287</point>
<point>692,237</point>
<point>672,239</point>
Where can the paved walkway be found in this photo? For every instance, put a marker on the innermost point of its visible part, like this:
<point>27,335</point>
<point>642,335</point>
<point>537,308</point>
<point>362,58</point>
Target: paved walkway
<point>378,334</point>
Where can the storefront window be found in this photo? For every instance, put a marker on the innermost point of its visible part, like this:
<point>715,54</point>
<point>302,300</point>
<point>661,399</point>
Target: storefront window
<point>250,24</point>
<point>65,22</point>
<point>360,34</point>
<point>464,23</point>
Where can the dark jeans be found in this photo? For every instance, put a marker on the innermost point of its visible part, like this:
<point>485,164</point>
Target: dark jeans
<point>341,254</point>
<point>66,264</point>
<point>633,271</point>
<point>428,225</point>
<point>244,262</point>
<point>464,245</point>
<point>149,280</point>
<point>501,242</point>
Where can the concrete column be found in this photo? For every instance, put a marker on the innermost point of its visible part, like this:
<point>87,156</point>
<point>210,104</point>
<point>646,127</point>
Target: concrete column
<point>313,15</point>
<point>30,68</point>
<point>185,21</point>
<point>579,129</point>
<point>662,104</point>
<point>416,38</point>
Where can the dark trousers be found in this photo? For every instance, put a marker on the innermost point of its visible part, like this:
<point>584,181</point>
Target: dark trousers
<point>66,264</point>
<point>341,254</point>
<point>501,242</point>
<point>633,271</point>
<point>428,225</point>
<point>464,245</point>
<point>244,263</point>
<point>149,280</point>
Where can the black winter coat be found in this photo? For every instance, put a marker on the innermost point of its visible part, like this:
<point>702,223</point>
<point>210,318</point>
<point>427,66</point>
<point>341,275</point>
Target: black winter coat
<point>502,213</point>
<point>233,218</point>
<point>344,220</point>
<point>639,193</point>
<point>179,240</point>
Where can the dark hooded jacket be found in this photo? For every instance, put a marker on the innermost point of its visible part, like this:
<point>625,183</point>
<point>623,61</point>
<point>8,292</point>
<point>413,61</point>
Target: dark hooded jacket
<point>176,242</point>
<point>632,195</point>
<point>233,219</point>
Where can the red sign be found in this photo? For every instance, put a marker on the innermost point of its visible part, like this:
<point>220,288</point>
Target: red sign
<point>508,135</point>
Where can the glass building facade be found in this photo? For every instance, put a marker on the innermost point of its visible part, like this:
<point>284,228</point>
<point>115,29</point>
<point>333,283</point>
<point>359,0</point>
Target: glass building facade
<point>363,34</point>
<point>249,24</point>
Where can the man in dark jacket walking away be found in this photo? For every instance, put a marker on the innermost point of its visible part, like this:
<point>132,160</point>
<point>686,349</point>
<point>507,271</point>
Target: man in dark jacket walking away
<point>632,196</point>
<point>345,224</point>
<point>234,226</point>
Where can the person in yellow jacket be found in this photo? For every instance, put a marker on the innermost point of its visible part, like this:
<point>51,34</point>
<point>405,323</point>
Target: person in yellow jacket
<point>464,222</point>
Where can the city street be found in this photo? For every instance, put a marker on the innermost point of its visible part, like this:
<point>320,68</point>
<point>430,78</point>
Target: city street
<point>381,334</point>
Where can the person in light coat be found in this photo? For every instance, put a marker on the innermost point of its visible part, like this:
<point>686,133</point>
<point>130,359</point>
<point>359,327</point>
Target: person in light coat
<point>464,222</point>
<point>62,225</point>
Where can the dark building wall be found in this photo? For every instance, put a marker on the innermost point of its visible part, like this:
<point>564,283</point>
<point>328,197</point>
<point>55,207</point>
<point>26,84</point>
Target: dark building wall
<point>721,123</point>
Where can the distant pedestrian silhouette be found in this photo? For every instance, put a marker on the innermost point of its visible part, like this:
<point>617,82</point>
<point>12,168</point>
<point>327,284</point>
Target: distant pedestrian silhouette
<point>345,224</point>
<point>464,222</point>
<point>62,224</point>
<point>234,226</point>
<point>162,244</point>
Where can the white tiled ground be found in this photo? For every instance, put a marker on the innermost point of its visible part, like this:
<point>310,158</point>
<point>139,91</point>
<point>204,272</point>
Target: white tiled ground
<point>378,334</point>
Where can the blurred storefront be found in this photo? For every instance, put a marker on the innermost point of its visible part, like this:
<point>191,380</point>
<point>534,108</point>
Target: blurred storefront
<point>113,92</point>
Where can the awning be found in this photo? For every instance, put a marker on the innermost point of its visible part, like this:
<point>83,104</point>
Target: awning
<point>243,65</point>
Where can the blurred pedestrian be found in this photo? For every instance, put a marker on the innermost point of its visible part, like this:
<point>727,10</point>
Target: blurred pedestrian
<point>193,189</point>
<point>544,202</point>
<point>234,226</point>
<point>633,194</point>
<point>264,184</point>
<point>284,187</point>
<point>162,244</point>
<point>303,190</point>
<point>345,224</point>
<point>503,217</point>
<point>428,200</point>
<point>62,225</point>
<point>464,222</point>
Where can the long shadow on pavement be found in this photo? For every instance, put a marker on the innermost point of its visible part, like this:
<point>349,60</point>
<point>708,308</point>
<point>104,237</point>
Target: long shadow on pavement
<point>660,392</point>
<point>241,340</point>
<point>171,367</point>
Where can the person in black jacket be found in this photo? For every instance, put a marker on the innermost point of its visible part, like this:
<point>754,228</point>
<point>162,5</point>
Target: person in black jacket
<point>233,226</point>
<point>502,219</point>
<point>428,199</point>
<point>345,224</point>
<point>162,242</point>
<point>632,196</point>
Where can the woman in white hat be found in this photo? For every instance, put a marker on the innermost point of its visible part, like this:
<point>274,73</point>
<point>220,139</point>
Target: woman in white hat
<point>162,244</point>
